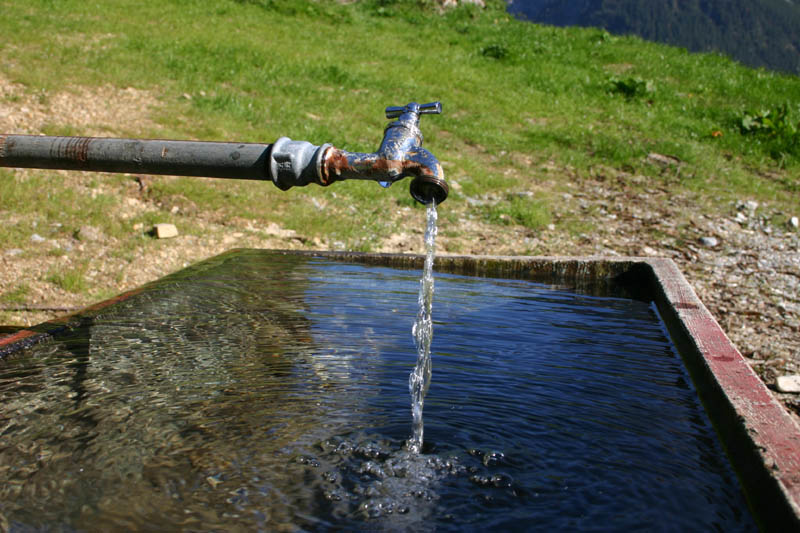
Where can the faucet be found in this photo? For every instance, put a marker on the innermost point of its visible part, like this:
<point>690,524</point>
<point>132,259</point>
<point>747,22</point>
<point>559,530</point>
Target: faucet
<point>286,163</point>
<point>400,155</point>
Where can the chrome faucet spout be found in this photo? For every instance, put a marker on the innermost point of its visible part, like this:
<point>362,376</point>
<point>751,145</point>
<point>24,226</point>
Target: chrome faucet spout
<point>428,182</point>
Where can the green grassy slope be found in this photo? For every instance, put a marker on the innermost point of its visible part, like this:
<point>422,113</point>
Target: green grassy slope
<point>515,95</point>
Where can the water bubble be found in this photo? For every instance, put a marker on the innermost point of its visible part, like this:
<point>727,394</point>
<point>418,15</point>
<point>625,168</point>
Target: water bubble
<point>371,451</point>
<point>481,481</point>
<point>493,458</point>
<point>332,496</point>
<point>344,448</point>
<point>502,481</point>
<point>372,468</point>
<point>307,460</point>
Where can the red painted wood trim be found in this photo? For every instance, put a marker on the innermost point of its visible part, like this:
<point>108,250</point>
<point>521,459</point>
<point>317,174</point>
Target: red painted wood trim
<point>26,337</point>
<point>16,337</point>
<point>774,433</point>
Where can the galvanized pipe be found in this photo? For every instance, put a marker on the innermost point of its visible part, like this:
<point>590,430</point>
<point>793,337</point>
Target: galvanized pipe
<point>137,156</point>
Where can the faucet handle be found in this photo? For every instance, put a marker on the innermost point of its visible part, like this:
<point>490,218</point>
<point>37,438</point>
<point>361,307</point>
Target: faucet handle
<point>413,107</point>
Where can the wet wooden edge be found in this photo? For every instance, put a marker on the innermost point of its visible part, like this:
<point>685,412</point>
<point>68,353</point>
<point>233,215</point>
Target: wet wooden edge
<point>760,437</point>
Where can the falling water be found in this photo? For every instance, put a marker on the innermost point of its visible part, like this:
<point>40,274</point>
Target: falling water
<point>422,331</point>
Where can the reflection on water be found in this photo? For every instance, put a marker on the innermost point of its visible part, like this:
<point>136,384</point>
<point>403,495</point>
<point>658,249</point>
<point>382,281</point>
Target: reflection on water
<point>259,391</point>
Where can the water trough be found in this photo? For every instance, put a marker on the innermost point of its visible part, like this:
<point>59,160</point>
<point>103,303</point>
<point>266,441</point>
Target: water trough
<point>53,380</point>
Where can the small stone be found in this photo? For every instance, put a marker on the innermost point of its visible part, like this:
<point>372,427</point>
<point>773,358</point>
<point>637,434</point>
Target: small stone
<point>37,238</point>
<point>790,383</point>
<point>740,217</point>
<point>649,251</point>
<point>661,159</point>
<point>551,227</point>
<point>709,242</point>
<point>88,234</point>
<point>794,222</point>
<point>165,231</point>
<point>13,251</point>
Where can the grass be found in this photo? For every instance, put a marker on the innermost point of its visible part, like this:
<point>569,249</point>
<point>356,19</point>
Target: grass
<point>532,214</point>
<point>255,70</point>
<point>71,280</point>
<point>17,295</point>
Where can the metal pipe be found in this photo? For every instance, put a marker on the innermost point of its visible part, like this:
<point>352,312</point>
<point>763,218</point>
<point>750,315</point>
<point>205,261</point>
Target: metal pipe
<point>137,156</point>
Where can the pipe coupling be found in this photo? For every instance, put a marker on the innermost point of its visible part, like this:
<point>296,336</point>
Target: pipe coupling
<point>295,163</point>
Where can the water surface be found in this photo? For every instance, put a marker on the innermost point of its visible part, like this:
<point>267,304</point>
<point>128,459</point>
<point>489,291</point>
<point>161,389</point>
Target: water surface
<point>259,391</point>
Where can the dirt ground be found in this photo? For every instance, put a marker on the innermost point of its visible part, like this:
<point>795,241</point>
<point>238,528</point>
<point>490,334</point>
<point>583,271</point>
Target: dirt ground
<point>744,266</point>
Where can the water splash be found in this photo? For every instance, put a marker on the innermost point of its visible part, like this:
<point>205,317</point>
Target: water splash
<point>420,378</point>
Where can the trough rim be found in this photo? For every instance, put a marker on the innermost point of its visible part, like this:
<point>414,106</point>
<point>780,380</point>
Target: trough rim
<point>760,437</point>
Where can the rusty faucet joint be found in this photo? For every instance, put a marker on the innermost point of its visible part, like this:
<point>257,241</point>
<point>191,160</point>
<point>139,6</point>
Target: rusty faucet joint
<point>298,163</point>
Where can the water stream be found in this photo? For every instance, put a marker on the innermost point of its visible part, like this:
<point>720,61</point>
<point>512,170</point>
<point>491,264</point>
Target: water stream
<point>420,378</point>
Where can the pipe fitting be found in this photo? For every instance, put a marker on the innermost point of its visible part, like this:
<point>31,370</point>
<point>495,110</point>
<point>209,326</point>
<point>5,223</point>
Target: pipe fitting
<point>296,163</point>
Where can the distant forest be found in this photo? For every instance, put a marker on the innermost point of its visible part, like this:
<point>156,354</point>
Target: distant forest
<point>759,33</point>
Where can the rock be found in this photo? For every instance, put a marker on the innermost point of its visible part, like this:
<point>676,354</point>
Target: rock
<point>740,218</point>
<point>662,159</point>
<point>88,234</point>
<point>709,242</point>
<point>790,383</point>
<point>14,251</point>
<point>649,251</point>
<point>794,222</point>
<point>37,238</point>
<point>447,4</point>
<point>165,231</point>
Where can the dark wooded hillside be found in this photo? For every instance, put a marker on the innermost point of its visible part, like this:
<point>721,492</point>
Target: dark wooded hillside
<point>759,33</point>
